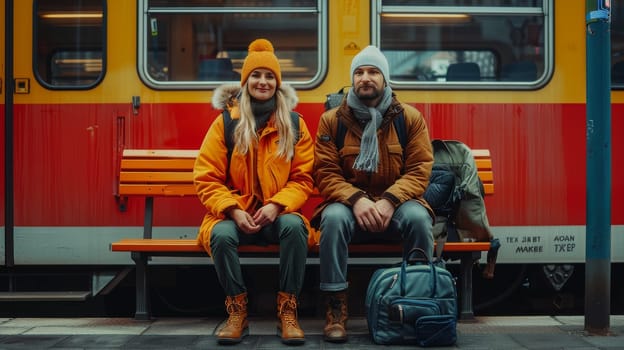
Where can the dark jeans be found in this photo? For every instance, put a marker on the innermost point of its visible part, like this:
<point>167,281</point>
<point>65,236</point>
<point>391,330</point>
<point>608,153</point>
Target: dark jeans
<point>411,223</point>
<point>288,230</point>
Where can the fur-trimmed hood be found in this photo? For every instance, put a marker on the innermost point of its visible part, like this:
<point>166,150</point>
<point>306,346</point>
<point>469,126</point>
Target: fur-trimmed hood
<point>225,96</point>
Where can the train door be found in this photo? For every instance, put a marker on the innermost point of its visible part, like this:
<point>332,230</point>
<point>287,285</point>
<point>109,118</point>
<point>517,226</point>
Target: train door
<point>61,135</point>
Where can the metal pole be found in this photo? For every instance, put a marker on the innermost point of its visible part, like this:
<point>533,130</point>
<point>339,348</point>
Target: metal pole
<point>9,258</point>
<point>598,229</point>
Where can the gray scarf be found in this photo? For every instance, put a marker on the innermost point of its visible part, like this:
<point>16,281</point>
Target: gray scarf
<point>368,159</point>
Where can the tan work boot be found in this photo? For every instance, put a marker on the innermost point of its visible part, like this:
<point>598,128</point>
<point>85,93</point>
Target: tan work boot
<point>335,330</point>
<point>236,327</point>
<point>288,327</point>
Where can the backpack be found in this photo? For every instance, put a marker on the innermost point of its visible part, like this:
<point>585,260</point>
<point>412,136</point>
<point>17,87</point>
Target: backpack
<point>228,130</point>
<point>455,193</point>
<point>334,99</point>
<point>444,194</point>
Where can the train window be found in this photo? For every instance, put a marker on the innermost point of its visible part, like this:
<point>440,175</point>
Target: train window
<point>468,44</point>
<point>69,42</point>
<point>508,3</point>
<point>617,44</point>
<point>197,44</point>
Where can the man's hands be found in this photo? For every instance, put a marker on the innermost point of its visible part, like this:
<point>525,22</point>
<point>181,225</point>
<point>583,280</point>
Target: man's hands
<point>249,224</point>
<point>373,216</point>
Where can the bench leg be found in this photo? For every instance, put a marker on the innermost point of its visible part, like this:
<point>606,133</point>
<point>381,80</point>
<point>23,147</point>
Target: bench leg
<point>142,298</point>
<point>466,287</point>
<point>148,218</point>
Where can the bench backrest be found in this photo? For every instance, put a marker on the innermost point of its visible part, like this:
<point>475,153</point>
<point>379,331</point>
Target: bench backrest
<point>484,168</point>
<point>157,172</point>
<point>170,172</point>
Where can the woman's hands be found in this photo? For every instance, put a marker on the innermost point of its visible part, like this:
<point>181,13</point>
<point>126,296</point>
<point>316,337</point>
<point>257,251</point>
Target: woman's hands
<point>267,214</point>
<point>249,224</point>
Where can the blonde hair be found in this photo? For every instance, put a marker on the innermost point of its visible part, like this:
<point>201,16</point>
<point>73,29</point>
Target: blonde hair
<point>245,132</point>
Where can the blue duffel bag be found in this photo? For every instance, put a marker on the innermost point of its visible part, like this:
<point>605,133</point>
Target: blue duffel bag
<point>414,303</point>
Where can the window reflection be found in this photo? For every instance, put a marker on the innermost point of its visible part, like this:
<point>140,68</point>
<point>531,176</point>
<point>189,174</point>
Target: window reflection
<point>206,41</point>
<point>69,44</point>
<point>494,41</point>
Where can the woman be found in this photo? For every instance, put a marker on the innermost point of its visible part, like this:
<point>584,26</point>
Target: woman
<point>254,197</point>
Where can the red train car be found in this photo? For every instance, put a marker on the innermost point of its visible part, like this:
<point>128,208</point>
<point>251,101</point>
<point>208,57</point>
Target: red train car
<point>92,77</point>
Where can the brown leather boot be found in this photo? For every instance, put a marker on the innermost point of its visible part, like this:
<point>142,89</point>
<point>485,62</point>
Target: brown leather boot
<point>236,327</point>
<point>288,327</point>
<point>335,330</point>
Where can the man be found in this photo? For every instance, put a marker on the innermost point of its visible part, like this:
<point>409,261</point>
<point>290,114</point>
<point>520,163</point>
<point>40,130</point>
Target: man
<point>372,187</point>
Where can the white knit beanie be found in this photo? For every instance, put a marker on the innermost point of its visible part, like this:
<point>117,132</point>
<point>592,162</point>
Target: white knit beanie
<point>371,56</point>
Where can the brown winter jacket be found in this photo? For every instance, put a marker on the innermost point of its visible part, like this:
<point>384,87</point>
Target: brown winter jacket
<point>396,179</point>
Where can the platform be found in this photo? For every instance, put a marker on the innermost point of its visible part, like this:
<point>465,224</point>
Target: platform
<point>534,332</point>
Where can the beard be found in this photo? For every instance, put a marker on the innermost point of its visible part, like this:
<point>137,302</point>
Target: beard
<point>368,95</point>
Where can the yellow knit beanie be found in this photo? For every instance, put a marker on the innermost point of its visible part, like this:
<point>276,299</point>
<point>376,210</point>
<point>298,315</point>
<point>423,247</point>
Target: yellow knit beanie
<point>261,55</point>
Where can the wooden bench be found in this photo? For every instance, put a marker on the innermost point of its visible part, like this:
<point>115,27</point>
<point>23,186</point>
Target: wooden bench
<point>169,173</point>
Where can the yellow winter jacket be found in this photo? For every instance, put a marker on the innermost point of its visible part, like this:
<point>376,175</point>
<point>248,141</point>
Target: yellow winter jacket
<point>285,182</point>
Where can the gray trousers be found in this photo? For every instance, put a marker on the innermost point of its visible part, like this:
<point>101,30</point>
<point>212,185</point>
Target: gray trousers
<point>288,230</point>
<point>411,224</point>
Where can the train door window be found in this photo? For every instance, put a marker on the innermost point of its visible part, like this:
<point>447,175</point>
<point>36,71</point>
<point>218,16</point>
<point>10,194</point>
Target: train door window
<point>617,44</point>
<point>198,44</point>
<point>467,44</point>
<point>68,47</point>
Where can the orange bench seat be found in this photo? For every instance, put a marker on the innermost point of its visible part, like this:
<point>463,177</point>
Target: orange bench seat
<point>191,246</point>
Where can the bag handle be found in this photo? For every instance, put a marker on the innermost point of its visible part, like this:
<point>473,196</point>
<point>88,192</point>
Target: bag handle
<point>423,258</point>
